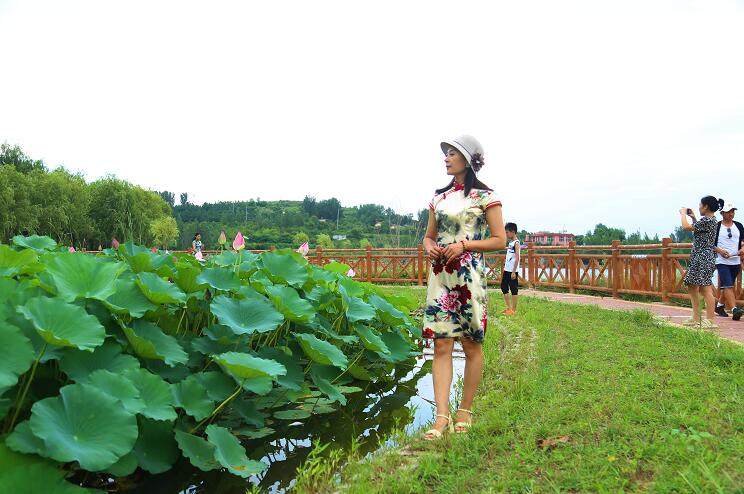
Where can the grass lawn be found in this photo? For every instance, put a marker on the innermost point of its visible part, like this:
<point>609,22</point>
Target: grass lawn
<point>581,399</point>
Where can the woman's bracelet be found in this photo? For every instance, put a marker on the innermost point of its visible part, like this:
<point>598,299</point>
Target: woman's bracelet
<point>463,245</point>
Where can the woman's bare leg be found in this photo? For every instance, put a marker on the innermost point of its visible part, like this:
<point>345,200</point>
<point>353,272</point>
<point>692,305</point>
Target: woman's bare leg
<point>441,374</point>
<point>472,376</point>
<point>695,299</point>
<point>710,303</point>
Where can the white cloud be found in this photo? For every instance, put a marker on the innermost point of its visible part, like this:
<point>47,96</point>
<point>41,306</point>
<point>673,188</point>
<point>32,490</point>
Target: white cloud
<point>618,112</point>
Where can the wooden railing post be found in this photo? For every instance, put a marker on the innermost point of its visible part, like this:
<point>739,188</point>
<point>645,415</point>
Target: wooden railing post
<point>319,255</point>
<point>616,271</point>
<point>369,263</point>
<point>571,266</point>
<point>665,272</point>
<point>531,264</point>
<point>420,265</point>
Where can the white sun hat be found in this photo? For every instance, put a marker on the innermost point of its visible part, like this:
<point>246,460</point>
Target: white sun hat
<point>728,207</point>
<point>467,145</point>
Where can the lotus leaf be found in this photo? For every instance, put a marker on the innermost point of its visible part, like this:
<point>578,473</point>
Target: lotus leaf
<point>190,395</point>
<point>36,243</point>
<point>321,351</point>
<point>246,316</point>
<point>24,441</point>
<point>218,385</point>
<point>388,313</point>
<point>326,386</point>
<point>358,310</point>
<point>230,454</point>
<point>156,448</point>
<point>77,275</point>
<point>126,465</point>
<point>154,392</point>
<point>294,377</point>
<point>371,340</point>
<point>199,452</point>
<point>118,387</point>
<point>219,279</point>
<point>244,366</point>
<point>24,474</point>
<point>297,414</point>
<point>399,348</point>
<point>129,299</point>
<point>148,341</point>
<point>159,291</point>
<point>63,324</point>
<point>248,410</point>
<point>18,355</point>
<point>73,430</point>
<point>289,303</point>
<point>285,267</point>
<point>13,262</point>
<point>78,364</point>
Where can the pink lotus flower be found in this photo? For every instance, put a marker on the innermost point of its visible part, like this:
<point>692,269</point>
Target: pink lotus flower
<point>114,243</point>
<point>351,273</point>
<point>154,250</point>
<point>71,249</point>
<point>199,256</point>
<point>304,249</point>
<point>239,242</point>
<point>222,239</point>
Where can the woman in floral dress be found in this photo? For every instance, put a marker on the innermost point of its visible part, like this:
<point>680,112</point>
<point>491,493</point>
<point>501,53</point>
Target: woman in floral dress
<point>702,259</point>
<point>457,300</point>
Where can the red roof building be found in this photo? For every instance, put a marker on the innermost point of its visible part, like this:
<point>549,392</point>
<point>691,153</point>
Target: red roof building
<point>547,238</point>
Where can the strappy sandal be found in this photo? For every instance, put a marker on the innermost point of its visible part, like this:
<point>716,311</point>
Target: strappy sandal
<point>433,433</point>
<point>462,427</point>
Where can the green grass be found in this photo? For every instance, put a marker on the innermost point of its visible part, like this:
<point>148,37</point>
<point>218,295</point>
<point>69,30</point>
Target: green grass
<point>643,407</point>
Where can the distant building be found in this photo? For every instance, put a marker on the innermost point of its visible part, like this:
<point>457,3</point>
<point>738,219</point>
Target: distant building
<point>339,237</point>
<point>547,238</point>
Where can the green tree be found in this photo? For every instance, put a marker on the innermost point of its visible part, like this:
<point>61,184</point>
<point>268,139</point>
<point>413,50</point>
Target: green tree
<point>14,156</point>
<point>168,197</point>
<point>300,238</point>
<point>363,243</point>
<point>164,231</point>
<point>324,240</point>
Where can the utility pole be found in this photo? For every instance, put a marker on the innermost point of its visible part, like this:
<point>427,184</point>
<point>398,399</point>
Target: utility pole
<point>338,215</point>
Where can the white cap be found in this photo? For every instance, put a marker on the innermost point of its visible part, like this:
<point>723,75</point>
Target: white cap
<point>728,207</point>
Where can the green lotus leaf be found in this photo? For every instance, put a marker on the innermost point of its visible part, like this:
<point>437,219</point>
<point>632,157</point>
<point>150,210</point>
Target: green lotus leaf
<point>259,281</point>
<point>221,334</point>
<point>321,351</point>
<point>190,395</point>
<point>85,425</point>
<point>14,262</point>
<point>352,288</point>
<point>256,434</point>
<point>79,364</point>
<point>154,392</point>
<point>289,303</point>
<point>244,366</point>
<point>400,348</point>
<point>358,310</point>
<point>24,441</point>
<point>246,316</point>
<point>37,243</point>
<point>259,385</point>
<point>337,267</point>
<point>149,341</point>
<point>220,278</point>
<point>388,313</point>
<point>27,474</point>
<point>129,299</point>
<point>323,277</point>
<point>225,258</point>
<point>360,373</point>
<point>159,291</point>
<point>285,268</point>
<point>18,355</point>
<point>63,324</point>
<point>297,414</point>
<point>126,465</point>
<point>326,386</point>
<point>77,275</point>
<point>294,377</point>
<point>321,295</point>
<point>156,448</point>
<point>186,279</point>
<point>207,346</point>
<point>199,452</point>
<point>370,339</point>
<point>248,410</point>
<point>218,385</point>
<point>140,262</point>
<point>230,454</point>
<point>118,387</point>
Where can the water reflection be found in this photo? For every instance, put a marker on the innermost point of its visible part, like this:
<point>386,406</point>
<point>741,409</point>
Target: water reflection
<point>406,400</point>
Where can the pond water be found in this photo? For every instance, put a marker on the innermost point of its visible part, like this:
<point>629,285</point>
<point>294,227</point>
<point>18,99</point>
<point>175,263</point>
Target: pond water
<point>370,416</point>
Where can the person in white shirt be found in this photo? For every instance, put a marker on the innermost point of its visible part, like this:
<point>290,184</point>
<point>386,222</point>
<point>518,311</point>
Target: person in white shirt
<point>730,249</point>
<point>510,277</point>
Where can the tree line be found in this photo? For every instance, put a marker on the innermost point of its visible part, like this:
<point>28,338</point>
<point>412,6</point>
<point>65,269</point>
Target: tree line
<point>64,206</point>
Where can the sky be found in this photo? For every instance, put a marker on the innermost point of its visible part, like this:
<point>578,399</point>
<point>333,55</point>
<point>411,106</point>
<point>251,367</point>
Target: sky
<point>589,111</point>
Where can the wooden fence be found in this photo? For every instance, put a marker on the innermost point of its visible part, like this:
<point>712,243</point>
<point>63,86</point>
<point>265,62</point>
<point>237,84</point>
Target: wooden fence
<point>654,270</point>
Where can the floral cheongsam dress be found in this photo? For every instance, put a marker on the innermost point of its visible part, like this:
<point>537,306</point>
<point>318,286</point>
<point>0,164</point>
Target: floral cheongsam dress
<point>702,258</point>
<point>456,298</point>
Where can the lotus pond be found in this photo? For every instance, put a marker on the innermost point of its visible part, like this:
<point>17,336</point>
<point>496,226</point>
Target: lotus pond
<point>125,370</point>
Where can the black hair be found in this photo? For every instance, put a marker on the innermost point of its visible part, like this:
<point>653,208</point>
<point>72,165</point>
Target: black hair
<point>196,234</point>
<point>471,181</point>
<point>25,232</point>
<point>512,227</point>
<point>712,203</point>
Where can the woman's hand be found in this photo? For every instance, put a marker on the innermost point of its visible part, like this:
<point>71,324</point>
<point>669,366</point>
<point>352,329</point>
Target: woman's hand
<point>434,253</point>
<point>724,254</point>
<point>683,211</point>
<point>453,250</point>
<point>514,275</point>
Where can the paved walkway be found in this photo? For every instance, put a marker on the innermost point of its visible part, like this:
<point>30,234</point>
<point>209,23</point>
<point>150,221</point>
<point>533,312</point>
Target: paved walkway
<point>730,329</point>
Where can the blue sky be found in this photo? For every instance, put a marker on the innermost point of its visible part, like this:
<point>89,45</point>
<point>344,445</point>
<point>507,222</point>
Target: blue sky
<point>614,112</point>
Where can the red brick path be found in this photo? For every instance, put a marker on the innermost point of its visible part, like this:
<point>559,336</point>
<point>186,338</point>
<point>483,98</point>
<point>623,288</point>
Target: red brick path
<point>730,329</point>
